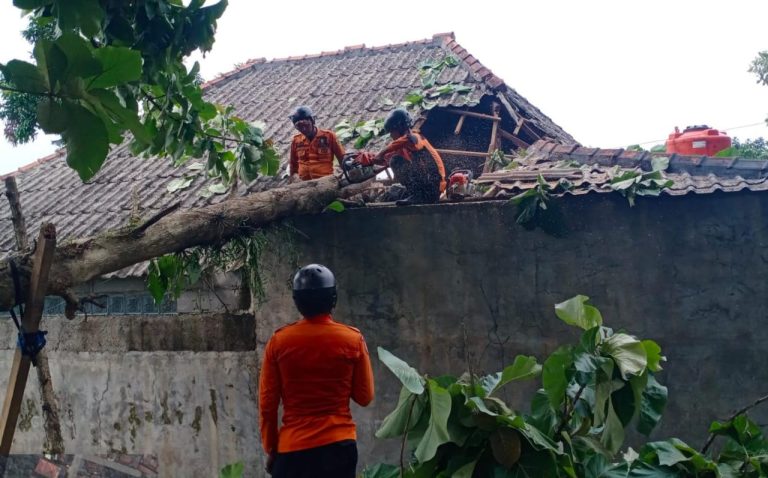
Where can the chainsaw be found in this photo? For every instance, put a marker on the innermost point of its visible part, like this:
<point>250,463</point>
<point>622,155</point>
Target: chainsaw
<point>459,184</point>
<point>358,167</point>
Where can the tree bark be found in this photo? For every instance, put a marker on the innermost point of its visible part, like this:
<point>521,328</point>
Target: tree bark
<point>81,260</point>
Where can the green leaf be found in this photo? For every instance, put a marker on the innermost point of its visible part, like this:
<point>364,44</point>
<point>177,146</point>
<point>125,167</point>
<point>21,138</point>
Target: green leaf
<point>403,417</point>
<point>553,376</point>
<point>666,452</point>
<point>86,139</point>
<point>51,116</point>
<point>523,368</point>
<point>407,375</point>
<point>85,15</point>
<point>270,161</point>
<point>25,76</point>
<point>538,439</point>
<point>619,185</point>
<point>465,471</point>
<point>234,470</point>
<point>543,415</point>
<point>628,352</point>
<point>155,284</point>
<point>179,184</point>
<point>437,431</point>
<point>603,389</point>
<point>575,311</point>
<point>659,163</point>
<point>654,399</point>
<point>653,352</point>
<point>217,188</point>
<point>250,158</point>
<point>335,206</point>
<point>119,65</point>
<point>124,116</point>
<point>612,437</point>
<point>478,404</point>
<point>414,98</point>
<point>80,61</point>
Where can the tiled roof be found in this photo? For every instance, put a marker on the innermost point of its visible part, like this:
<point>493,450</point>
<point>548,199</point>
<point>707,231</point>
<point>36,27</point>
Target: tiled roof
<point>589,170</point>
<point>353,83</point>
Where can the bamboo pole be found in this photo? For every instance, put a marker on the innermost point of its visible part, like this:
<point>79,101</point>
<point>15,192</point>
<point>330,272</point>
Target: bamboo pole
<point>473,114</point>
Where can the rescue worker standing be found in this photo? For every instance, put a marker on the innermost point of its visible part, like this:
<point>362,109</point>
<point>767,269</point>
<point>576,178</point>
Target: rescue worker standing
<point>314,366</point>
<point>313,149</point>
<point>416,164</point>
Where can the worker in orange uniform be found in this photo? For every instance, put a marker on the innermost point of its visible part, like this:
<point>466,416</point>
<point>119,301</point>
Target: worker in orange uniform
<point>313,149</point>
<point>416,164</point>
<point>314,366</point>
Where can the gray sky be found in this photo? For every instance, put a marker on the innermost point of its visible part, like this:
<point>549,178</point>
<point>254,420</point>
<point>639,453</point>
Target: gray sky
<point>611,73</point>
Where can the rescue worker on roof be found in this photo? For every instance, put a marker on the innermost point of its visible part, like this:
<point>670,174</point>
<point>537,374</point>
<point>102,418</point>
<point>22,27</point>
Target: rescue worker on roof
<point>315,365</point>
<point>313,149</point>
<point>416,164</point>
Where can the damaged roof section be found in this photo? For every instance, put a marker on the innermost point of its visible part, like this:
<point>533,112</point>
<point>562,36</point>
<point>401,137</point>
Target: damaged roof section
<point>355,83</point>
<point>591,170</point>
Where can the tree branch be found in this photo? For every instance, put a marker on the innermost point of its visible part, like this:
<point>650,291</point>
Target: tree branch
<point>81,260</point>
<point>34,93</point>
<point>741,411</point>
<point>405,435</point>
<point>568,412</point>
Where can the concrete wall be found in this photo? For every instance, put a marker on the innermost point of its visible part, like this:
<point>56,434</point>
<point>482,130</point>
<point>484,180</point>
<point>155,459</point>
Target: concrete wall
<point>687,272</point>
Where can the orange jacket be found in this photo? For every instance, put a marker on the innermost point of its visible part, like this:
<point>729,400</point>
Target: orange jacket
<point>314,159</point>
<point>314,366</point>
<point>403,146</point>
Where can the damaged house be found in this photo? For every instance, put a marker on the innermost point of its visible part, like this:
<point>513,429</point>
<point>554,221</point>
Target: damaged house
<point>171,389</point>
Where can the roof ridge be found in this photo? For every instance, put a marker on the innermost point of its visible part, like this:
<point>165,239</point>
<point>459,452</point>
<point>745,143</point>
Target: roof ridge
<point>474,65</point>
<point>26,167</point>
<point>438,38</point>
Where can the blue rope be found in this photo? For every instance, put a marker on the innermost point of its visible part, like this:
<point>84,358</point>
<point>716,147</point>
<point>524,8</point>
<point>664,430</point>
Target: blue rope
<point>31,343</point>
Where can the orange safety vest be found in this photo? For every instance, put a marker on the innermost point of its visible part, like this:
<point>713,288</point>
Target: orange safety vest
<point>314,366</point>
<point>313,159</point>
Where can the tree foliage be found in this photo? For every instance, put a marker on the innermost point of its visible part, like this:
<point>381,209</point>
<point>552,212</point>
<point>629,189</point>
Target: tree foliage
<point>591,393</point>
<point>112,70</point>
<point>747,149</point>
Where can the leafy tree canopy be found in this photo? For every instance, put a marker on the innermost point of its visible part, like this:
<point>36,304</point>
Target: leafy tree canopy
<point>104,71</point>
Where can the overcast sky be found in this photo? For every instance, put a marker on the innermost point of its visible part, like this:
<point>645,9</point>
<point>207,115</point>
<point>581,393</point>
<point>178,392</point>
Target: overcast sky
<point>611,73</point>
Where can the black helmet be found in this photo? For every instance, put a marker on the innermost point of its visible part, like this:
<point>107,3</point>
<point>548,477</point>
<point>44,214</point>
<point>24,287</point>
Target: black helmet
<point>398,120</point>
<point>314,290</point>
<point>302,112</point>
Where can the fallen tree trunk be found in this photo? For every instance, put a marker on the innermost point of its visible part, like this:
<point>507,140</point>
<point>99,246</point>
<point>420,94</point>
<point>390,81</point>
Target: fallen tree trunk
<point>81,260</point>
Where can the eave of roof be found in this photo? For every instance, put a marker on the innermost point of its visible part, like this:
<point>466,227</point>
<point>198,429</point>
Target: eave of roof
<point>690,174</point>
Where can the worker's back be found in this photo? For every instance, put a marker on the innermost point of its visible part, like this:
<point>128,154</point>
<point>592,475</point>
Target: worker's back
<point>318,365</point>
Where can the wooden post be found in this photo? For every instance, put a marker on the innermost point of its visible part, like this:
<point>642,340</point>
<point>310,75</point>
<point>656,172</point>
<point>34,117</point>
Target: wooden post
<point>456,152</point>
<point>518,127</point>
<point>459,125</point>
<point>518,142</point>
<point>493,145</point>
<point>43,258</point>
<point>54,443</point>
